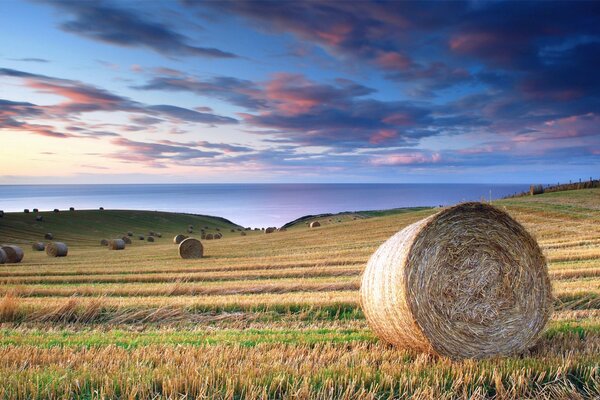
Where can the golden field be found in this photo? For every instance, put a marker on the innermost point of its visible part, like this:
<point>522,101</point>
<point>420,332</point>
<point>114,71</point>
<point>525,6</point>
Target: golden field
<point>268,316</point>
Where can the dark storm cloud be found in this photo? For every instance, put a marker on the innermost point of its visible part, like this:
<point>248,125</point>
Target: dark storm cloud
<point>107,23</point>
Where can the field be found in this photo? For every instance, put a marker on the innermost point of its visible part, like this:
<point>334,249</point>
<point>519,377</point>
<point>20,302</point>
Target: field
<point>267,316</point>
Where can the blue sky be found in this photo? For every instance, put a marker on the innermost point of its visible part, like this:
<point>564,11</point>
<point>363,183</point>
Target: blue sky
<point>189,91</point>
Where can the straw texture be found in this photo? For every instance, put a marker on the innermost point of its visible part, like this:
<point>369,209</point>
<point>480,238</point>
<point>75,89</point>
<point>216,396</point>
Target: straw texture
<point>14,254</point>
<point>57,249</point>
<point>191,248</point>
<point>468,282</point>
<point>116,244</point>
<point>179,238</point>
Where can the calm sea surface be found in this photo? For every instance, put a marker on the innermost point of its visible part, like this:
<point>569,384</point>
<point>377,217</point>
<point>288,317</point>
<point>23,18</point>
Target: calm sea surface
<point>255,205</point>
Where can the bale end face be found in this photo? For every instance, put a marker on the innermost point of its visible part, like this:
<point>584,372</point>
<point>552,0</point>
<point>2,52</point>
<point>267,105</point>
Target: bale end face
<point>14,254</point>
<point>57,249</point>
<point>468,282</point>
<point>315,224</point>
<point>116,244</point>
<point>191,248</point>
<point>3,256</point>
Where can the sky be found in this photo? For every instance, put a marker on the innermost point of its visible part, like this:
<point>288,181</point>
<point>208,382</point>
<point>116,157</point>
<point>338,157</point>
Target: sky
<point>296,91</point>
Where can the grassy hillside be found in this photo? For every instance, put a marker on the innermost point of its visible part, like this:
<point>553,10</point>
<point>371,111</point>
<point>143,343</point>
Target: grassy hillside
<point>274,316</point>
<point>88,227</point>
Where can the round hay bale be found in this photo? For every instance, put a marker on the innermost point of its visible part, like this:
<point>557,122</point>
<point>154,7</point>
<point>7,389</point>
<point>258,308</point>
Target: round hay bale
<point>35,210</point>
<point>218,235</point>
<point>1,214</point>
<point>270,229</point>
<point>26,211</point>
<point>57,249</point>
<point>104,242</point>
<point>48,236</point>
<point>3,256</point>
<point>191,248</point>
<point>126,239</point>
<point>150,239</point>
<point>218,230</point>
<point>116,244</point>
<point>158,234</point>
<point>242,233</point>
<point>179,238</point>
<point>129,233</point>
<point>39,218</point>
<point>141,237</point>
<point>151,233</point>
<point>190,230</point>
<point>38,246</point>
<point>14,254</point>
<point>190,226</point>
<point>101,209</point>
<point>209,236</point>
<point>315,224</point>
<point>468,282</point>
<point>232,230</point>
<point>71,208</point>
<point>56,210</point>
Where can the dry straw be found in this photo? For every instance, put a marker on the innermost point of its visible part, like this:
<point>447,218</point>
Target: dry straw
<point>39,246</point>
<point>468,282</point>
<point>315,224</point>
<point>14,254</point>
<point>191,248</point>
<point>179,238</point>
<point>116,244</point>
<point>57,249</point>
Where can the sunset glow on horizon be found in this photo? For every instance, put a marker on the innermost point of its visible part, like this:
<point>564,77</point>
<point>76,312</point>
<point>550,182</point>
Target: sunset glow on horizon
<point>270,91</point>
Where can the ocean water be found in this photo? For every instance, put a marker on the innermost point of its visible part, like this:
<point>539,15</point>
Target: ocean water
<point>255,205</point>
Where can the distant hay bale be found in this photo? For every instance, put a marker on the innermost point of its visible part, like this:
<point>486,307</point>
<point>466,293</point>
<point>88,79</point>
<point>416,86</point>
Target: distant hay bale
<point>282,229</point>
<point>57,249</point>
<point>218,235</point>
<point>3,256</point>
<point>468,282</point>
<point>218,230</point>
<point>35,210</point>
<point>38,246</point>
<point>104,242</point>
<point>71,208</point>
<point>141,237</point>
<point>14,254</point>
<point>129,233</point>
<point>101,209</point>
<point>190,226</point>
<point>39,218</point>
<point>232,230</point>
<point>191,248</point>
<point>116,244</point>
<point>1,214</point>
<point>248,229</point>
<point>179,238</point>
<point>151,233</point>
<point>270,229</point>
<point>48,236</point>
<point>203,236</point>
<point>190,230</point>
<point>243,233</point>
<point>315,224</point>
<point>26,211</point>
<point>536,189</point>
<point>150,239</point>
<point>209,236</point>
<point>126,239</point>
<point>158,234</point>
<point>56,210</point>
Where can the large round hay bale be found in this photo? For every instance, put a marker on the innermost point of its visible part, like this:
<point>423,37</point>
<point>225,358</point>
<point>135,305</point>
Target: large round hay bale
<point>209,236</point>
<point>218,235</point>
<point>150,239</point>
<point>315,224</point>
<point>38,246</point>
<point>468,282</point>
<point>14,254</point>
<point>48,236</point>
<point>158,234</point>
<point>126,239</point>
<point>179,238</point>
<point>129,233</point>
<point>151,233</point>
<point>57,249</point>
<point>71,208</point>
<point>116,244</point>
<point>26,211</point>
<point>141,237</point>
<point>270,229</point>
<point>104,242</point>
<point>191,248</point>
<point>3,256</point>
<point>36,210</point>
<point>56,210</point>
<point>101,208</point>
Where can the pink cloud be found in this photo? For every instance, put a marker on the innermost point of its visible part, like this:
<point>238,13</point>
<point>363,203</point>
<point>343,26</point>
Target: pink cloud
<point>382,136</point>
<point>407,159</point>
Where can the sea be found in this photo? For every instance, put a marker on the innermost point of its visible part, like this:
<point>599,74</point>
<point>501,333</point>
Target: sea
<point>253,205</point>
